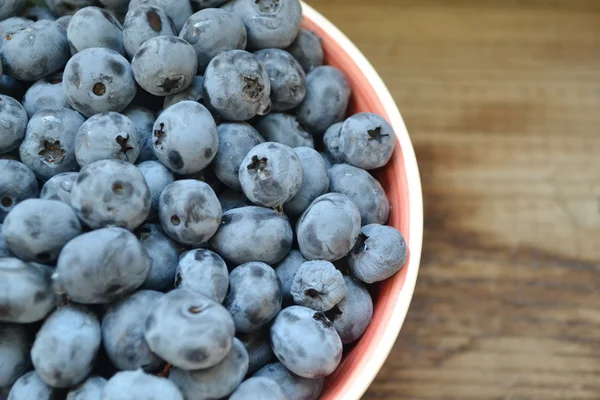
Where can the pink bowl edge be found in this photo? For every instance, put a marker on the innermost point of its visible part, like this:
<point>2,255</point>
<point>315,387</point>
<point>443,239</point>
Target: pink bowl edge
<point>378,352</point>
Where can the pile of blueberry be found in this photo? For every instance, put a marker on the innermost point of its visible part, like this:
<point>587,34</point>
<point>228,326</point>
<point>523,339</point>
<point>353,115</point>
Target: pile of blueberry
<point>186,212</point>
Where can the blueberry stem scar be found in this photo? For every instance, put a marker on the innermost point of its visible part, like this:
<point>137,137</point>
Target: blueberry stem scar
<point>252,88</point>
<point>122,141</point>
<point>52,152</point>
<point>375,134</point>
<point>258,165</point>
<point>169,84</point>
<point>159,134</point>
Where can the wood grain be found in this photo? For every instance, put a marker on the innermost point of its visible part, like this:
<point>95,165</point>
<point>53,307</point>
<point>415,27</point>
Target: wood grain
<point>502,99</point>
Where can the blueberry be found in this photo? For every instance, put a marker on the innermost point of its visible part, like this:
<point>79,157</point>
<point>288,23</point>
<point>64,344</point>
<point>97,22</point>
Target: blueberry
<point>215,382</point>
<point>204,272</point>
<point>142,23</point>
<point>90,389</point>
<point>253,308</point>
<point>379,253</point>
<point>94,27</point>
<point>98,80</point>
<point>185,137</point>
<point>327,96</point>
<point>111,192</point>
<point>352,315</point>
<point>17,183</point>
<point>189,330</point>
<point>31,386</point>
<point>212,31</point>
<point>123,332</point>
<point>128,385</point>
<point>271,174</point>
<point>331,142</point>
<point>15,342</point>
<point>253,234</point>
<point>307,49</point>
<point>202,4</point>
<point>47,93</point>
<point>4,251</point>
<point>101,266</point>
<point>10,25</point>
<point>64,21</point>
<point>37,230</point>
<point>164,65</point>
<point>14,123</point>
<point>59,187</point>
<point>329,228</point>
<point>163,255</point>
<point>315,181</point>
<point>284,129</point>
<point>318,285</point>
<point>286,271</point>
<point>10,8</point>
<point>306,342</point>
<point>143,119</point>
<point>38,13</point>
<point>236,86</point>
<point>192,93</point>
<point>367,141</point>
<point>258,346</point>
<point>293,386</point>
<point>179,11</point>
<point>364,190</point>
<point>49,144</point>
<point>65,347</point>
<point>270,23</point>
<point>27,294</point>
<point>231,199</point>
<point>68,7</point>
<point>158,177</point>
<point>107,136</point>
<point>235,141</point>
<point>35,51</point>
<point>288,80</point>
<point>255,388</point>
<point>189,212</point>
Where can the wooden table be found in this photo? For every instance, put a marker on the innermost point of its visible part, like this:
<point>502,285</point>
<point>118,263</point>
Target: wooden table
<point>502,100</point>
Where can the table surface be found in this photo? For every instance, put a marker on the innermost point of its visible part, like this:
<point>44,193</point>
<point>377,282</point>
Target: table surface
<point>502,100</point>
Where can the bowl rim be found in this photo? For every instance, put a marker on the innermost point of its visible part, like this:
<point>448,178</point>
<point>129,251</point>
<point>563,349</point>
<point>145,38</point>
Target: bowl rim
<point>356,388</point>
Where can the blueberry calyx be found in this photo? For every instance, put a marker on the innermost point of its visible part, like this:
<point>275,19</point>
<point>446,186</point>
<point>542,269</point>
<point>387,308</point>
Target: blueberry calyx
<point>123,142</point>
<point>258,165</point>
<point>375,134</point>
<point>52,152</point>
<point>267,6</point>
<point>252,87</point>
<point>169,84</point>
<point>159,134</point>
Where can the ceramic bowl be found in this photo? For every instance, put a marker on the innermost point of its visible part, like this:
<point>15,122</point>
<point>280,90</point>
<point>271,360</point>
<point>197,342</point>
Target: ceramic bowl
<point>400,178</point>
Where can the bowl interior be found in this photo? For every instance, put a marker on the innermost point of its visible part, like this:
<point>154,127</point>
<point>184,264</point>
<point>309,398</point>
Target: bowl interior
<point>400,180</point>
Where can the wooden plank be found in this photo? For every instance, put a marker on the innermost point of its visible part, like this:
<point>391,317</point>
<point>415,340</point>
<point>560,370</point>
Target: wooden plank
<point>502,100</point>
